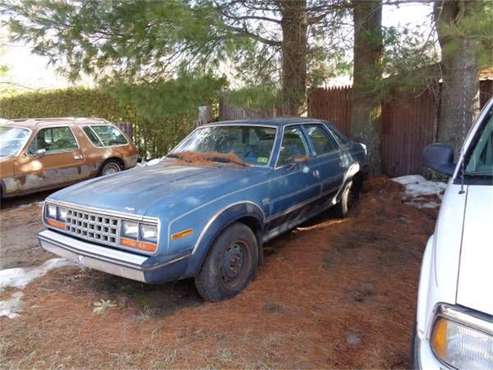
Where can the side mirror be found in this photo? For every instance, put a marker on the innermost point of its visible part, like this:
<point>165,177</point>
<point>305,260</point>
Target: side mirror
<point>40,152</point>
<point>440,158</point>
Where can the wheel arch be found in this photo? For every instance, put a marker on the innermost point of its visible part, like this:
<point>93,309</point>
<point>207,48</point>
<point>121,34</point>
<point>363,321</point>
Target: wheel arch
<point>246,212</point>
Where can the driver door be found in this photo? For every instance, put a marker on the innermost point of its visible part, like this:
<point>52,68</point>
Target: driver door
<point>52,158</point>
<point>295,185</point>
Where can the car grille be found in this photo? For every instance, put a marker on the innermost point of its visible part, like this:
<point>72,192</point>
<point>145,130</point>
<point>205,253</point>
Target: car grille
<point>94,227</point>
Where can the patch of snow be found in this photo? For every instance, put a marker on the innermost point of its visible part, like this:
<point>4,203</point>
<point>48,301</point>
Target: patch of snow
<point>151,162</point>
<point>11,307</point>
<point>417,187</point>
<point>19,277</point>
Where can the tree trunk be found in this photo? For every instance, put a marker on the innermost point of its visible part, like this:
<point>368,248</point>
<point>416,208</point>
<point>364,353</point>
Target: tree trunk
<point>459,101</point>
<point>367,72</point>
<point>294,42</point>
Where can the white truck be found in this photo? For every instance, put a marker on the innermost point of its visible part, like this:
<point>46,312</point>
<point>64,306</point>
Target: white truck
<point>454,327</point>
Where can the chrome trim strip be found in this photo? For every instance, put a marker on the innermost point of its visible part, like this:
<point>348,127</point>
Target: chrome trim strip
<point>217,214</point>
<point>104,211</point>
<point>465,316</point>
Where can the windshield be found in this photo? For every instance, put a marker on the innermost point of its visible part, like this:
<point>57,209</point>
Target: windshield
<point>480,161</point>
<point>12,139</point>
<point>251,144</point>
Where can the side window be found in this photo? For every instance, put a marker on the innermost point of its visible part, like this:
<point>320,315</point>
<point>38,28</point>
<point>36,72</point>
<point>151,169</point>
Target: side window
<point>92,136</point>
<point>342,139</point>
<point>293,146</point>
<point>109,135</point>
<point>322,141</point>
<point>53,139</point>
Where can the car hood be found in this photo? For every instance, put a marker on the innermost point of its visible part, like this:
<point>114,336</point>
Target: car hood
<point>169,185</point>
<point>476,258</point>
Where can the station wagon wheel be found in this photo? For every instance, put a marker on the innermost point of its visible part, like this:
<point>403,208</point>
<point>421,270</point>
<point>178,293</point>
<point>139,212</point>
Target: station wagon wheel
<point>348,197</point>
<point>230,265</point>
<point>111,167</point>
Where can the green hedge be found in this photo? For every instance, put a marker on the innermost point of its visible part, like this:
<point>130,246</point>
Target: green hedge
<point>161,113</point>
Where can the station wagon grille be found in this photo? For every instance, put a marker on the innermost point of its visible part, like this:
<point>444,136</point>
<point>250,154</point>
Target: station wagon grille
<point>94,227</point>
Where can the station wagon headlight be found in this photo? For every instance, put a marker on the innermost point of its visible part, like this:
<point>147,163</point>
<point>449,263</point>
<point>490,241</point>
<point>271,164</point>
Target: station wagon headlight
<point>51,211</point>
<point>130,229</point>
<point>148,232</point>
<point>62,213</point>
<point>462,341</point>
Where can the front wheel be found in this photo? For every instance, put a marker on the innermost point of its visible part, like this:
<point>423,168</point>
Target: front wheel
<point>230,265</point>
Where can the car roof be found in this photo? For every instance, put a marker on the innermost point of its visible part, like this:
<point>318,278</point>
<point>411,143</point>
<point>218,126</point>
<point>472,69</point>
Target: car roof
<point>277,121</point>
<point>32,123</point>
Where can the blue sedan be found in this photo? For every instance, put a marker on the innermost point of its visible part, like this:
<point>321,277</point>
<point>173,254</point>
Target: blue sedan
<point>205,210</point>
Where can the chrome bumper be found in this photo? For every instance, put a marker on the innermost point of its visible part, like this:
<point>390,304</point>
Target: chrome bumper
<point>124,264</point>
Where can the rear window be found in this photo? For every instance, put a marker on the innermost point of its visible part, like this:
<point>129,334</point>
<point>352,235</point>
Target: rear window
<point>105,135</point>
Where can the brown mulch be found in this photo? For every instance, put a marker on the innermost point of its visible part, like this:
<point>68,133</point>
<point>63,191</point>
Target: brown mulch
<point>331,294</point>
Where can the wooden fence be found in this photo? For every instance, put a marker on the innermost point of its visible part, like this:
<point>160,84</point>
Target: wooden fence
<point>409,122</point>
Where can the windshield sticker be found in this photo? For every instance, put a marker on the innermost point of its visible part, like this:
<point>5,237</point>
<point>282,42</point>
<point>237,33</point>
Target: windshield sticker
<point>262,160</point>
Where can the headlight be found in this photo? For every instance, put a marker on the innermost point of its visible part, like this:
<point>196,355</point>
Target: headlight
<point>148,232</point>
<point>62,213</point>
<point>51,211</point>
<point>130,229</point>
<point>461,340</point>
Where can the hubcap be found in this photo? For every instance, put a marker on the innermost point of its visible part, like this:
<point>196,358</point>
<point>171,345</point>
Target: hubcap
<point>110,169</point>
<point>233,261</point>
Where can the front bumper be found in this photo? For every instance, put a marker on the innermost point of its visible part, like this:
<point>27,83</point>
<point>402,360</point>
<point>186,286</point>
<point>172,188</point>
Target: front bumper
<point>128,265</point>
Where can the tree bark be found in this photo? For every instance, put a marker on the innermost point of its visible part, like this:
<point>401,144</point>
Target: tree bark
<point>367,72</point>
<point>459,101</point>
<point>294,44</point>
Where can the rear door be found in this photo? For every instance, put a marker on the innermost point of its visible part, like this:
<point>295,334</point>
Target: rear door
<point>327,163</point>
<point>52,158</point>
<point>294,186</point>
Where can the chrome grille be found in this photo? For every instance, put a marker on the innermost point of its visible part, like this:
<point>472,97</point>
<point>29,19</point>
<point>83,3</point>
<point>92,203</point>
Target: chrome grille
<point>94,227</point>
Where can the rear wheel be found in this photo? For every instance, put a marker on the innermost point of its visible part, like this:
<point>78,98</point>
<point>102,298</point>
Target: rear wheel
<point>230,265</point>
<point>110,167</point>
<point>348,197</point>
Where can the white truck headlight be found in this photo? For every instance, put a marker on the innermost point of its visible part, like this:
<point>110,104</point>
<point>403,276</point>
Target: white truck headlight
<point>148,232</point>
<point>130,229</point>
<point>462,341</point>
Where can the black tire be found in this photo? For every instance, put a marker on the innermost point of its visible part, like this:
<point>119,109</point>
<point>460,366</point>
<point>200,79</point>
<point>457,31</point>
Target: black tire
<point>230,265</point>
<point>414,350</point>
<point>110,167</point>
<point>348,197</point>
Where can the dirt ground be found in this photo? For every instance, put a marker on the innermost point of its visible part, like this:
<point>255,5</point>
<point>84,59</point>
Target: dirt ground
<point>331,294</point>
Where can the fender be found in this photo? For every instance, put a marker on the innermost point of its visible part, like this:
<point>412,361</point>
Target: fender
<point>221,220</point>
<point>425,276</point>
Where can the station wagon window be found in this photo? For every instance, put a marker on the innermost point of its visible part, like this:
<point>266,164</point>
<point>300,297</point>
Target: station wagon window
<point>105,135</point>
<point>342,139</point>
<point>53,139</point>
<point>322,141</point>
<point>252,144</point>
<point>293,146</point>
<point>12,139</point>
<point>481,160</point>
